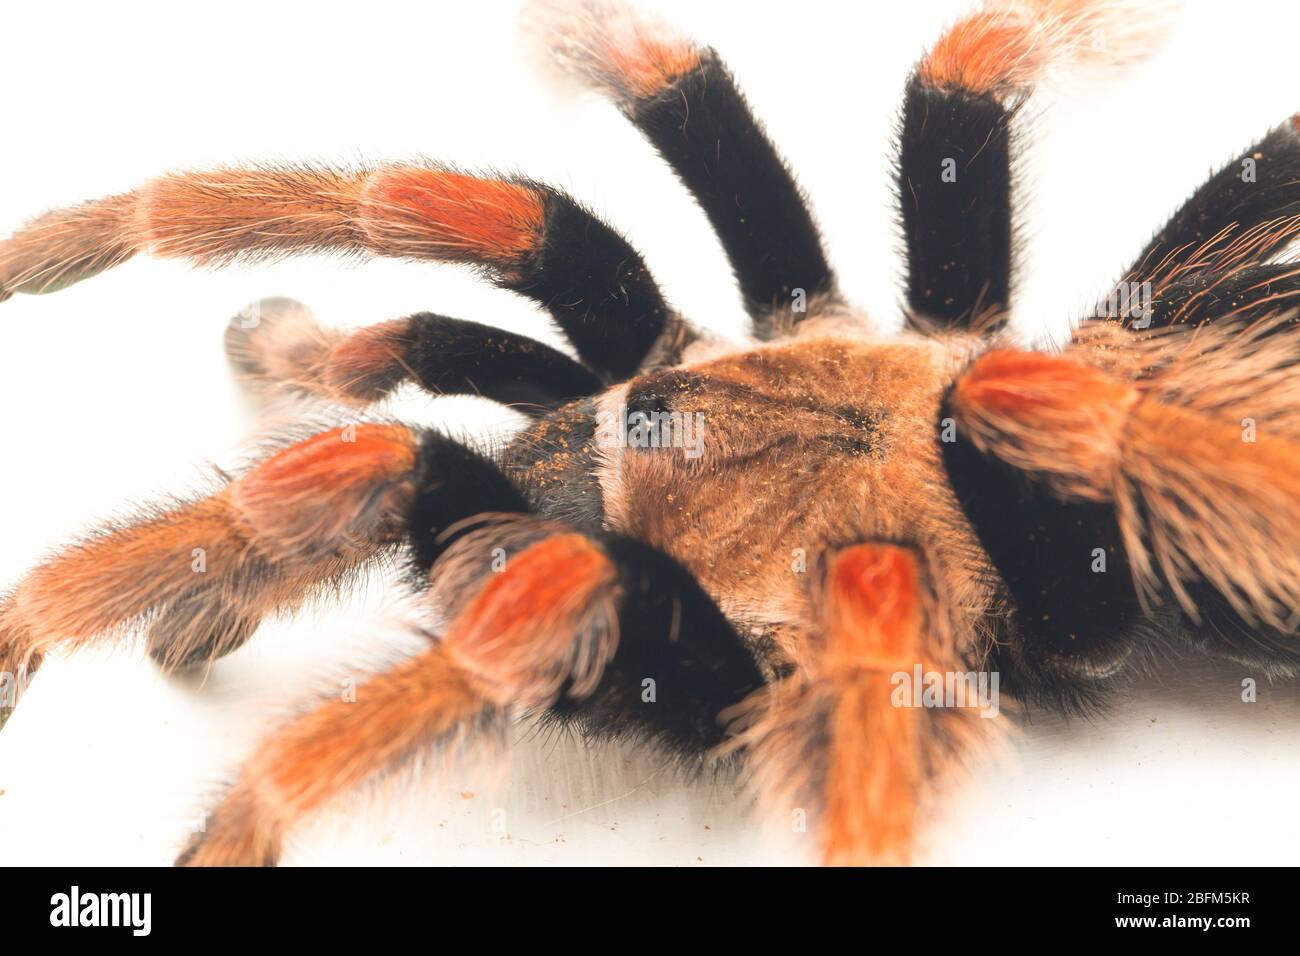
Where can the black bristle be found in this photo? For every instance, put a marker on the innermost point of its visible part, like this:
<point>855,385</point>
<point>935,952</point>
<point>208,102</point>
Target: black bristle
<point>1242,295</point>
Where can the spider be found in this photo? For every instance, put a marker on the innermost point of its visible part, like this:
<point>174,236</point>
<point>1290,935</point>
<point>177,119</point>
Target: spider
<point>731,553</point>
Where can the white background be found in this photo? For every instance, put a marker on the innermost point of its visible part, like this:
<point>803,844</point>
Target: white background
<point>117,389</point>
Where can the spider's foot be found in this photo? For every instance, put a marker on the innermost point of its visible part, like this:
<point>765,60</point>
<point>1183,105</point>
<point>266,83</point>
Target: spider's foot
<point>229,837</point>
<point>277,343</point>
<point>189,635</point>
<point>203,851</point>
<point>8,696</point>
<point>16,669</point>
<point>12,685</point>
<point>272,336</point>
<point>204,571</point>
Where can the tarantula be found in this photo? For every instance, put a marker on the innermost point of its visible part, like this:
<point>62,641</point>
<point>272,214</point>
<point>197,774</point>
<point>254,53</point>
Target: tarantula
<point>852,509</point>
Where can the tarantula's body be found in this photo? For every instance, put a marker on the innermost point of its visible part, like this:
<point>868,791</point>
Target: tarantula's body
<point>720,549</point>
<point>788,426</point>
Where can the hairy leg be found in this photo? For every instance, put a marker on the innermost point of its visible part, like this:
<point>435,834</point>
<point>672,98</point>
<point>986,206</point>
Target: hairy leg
<point>836,740</point>
<point>277,343</point>
<point>1248,211</point>
<point>200,576</point>
<point>683,99</point>
<point>570,624</point>
<point>1157,478</point>
<point>527,237</point>
<point>956,146</point>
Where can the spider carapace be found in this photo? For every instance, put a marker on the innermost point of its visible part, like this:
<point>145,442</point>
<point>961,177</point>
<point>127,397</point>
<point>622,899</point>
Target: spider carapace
<point>775,536</point>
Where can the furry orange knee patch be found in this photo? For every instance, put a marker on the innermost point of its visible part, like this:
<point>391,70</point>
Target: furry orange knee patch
<point>1050,415</point>
<point>1007,46</point>
<point>872,605</point>
<point>339,485</point>
<point>987,52</point>
<point>548,616</point>
<point>370,363</point>
<point>440,214</point>
<point>1204,498</point>
<point>650,65</point>
<point>625,52</point>
<point>278,342</point>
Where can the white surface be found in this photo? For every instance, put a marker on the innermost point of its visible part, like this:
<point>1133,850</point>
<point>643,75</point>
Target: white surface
<point>117,388</point>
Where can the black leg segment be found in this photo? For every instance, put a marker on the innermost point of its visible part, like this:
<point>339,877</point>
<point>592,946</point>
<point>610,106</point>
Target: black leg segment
<point>453,483</point>
<point>453,356</point>
<point>703,127</point>
<point>954,194</point>
<point>1256,194</point>
<point>596,287</point>
<point>679,662</point>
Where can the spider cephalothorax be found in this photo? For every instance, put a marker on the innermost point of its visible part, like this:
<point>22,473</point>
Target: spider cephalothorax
<point>776,535</point>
